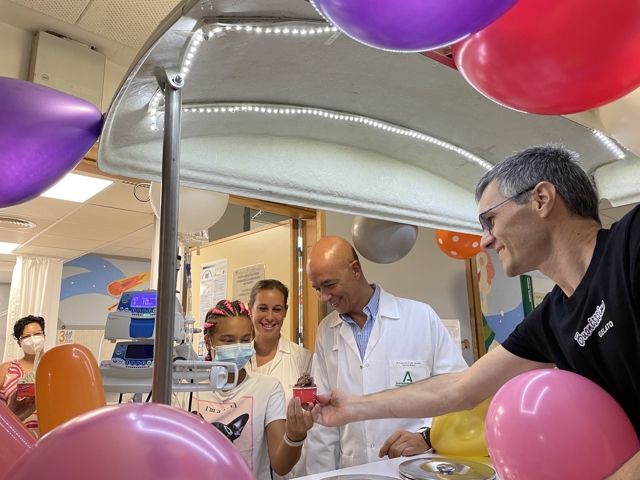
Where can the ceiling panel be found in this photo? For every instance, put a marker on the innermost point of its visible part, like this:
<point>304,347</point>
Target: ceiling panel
<point>134,252</point>
<point>110,217</point>
<point>618,212</point>
<point>42,207</point>
<point>66,10</point>
<point>90,232</point>
<point>49,252</point>
<point>120,195</point>
<point>107,250</point>
<point>146,244</point>
<point>126,22</point>
<point>15,236</point>
<point>146,232</point>
<point>127,241</point>
<point>73,243</point>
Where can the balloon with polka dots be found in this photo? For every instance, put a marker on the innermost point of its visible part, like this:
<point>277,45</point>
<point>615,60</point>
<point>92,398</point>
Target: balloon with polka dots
<point>461,246</point>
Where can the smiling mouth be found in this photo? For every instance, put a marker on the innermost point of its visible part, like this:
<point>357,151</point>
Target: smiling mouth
<point>268,326</point>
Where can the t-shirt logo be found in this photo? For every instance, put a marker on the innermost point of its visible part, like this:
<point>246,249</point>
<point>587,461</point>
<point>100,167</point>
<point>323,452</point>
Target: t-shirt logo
<point>593,322</point>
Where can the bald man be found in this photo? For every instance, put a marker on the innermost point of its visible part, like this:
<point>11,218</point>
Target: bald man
<point>373,341</point>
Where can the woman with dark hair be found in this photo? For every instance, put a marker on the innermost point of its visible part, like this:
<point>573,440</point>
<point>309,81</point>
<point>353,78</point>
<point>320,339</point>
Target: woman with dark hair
<point>275,355</point>
<point>29,332</point>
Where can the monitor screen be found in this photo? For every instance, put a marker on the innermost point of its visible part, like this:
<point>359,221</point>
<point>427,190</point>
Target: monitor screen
<point>144,300</point>
<point>138,351</point>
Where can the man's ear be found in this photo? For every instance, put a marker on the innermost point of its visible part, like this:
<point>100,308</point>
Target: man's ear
<point>544,197</point>
<point>356,269</point>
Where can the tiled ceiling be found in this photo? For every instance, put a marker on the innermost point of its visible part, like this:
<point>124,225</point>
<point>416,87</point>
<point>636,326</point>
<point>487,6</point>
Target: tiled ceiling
<point>126,22</point>
<point>113,222</point>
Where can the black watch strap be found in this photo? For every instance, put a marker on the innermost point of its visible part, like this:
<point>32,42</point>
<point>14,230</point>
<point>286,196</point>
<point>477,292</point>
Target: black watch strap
<point>426,434</point>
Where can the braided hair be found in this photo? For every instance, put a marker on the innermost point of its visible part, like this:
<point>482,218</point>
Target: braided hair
<point>224,309</point>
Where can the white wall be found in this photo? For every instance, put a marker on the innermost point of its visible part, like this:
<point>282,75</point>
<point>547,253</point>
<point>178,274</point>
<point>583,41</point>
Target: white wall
<point>15,55</point>
<point>425,274</point>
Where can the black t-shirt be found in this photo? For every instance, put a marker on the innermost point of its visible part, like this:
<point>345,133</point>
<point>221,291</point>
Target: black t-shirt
<point>596,331</point>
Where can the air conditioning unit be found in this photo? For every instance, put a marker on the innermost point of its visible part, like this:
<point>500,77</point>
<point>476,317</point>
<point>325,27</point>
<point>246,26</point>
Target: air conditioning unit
<point>67,66</point>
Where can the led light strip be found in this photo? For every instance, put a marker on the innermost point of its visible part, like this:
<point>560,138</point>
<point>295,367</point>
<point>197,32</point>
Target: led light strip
<point>272,109</point>
<point>610,144</point>
<point>275,27</point>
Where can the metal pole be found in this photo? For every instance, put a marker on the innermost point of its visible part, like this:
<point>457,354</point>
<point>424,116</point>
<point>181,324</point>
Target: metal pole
<point>163,347</point>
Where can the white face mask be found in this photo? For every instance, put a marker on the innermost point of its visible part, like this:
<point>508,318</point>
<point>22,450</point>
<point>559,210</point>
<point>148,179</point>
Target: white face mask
<point>33,345</point>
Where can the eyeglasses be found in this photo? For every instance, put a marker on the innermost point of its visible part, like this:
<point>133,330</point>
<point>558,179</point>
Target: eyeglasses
<point>37,334</point>
<point>483,221</point>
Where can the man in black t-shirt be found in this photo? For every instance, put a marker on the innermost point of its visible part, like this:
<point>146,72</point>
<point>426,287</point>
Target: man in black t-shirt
<point>540,212</point>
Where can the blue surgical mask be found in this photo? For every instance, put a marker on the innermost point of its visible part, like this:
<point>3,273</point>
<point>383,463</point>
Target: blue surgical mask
<point>238,353</point>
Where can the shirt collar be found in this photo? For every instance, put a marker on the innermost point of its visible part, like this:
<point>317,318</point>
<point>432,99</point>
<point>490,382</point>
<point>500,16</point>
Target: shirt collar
<point>371,309</point>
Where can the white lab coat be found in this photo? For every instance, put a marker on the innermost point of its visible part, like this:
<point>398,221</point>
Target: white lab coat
<point>408,343</point>
<point>290,362</point>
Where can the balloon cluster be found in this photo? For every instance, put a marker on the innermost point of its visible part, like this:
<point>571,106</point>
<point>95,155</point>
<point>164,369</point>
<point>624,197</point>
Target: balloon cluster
<point>145,440</point>
<point>546,57</point>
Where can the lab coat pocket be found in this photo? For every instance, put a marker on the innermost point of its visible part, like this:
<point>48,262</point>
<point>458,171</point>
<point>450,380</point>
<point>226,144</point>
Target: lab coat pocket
<point>405,372</point>
<point>346,461</point>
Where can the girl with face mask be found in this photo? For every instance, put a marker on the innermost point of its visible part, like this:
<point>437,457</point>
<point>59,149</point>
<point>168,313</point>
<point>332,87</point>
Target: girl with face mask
<point>254,415</point>
<point>29,332</point>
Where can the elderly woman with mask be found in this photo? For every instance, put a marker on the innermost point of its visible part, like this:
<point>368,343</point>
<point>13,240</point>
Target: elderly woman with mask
<point>29,332</point>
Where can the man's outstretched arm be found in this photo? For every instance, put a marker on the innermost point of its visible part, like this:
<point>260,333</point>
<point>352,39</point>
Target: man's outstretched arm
<point>432,397</point>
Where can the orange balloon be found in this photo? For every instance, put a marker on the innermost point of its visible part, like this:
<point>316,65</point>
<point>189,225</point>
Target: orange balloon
<point>15,439</point>
<point>68,384</point>
<point>461,433</point>
<point>458,245</point>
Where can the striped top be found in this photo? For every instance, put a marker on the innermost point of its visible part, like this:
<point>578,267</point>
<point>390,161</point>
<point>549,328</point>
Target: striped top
<point>9,387</point>
<point>371,311</point>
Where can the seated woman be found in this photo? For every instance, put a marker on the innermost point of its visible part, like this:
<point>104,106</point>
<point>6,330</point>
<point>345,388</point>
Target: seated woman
<point>253,415</point>
<point>29,332</point>
<point>275,355</point>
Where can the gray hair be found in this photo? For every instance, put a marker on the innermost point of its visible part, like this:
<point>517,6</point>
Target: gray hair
<point>545,163</point>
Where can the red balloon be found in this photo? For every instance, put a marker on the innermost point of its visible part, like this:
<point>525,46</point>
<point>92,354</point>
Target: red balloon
<point>554,57</point>
<point>14,438</point>
<point>460,246</point>
<point>549,424</point>
<point>145,441</point>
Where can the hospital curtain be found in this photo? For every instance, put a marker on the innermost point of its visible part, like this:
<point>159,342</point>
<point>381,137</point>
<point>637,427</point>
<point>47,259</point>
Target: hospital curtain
<point>35,290</point>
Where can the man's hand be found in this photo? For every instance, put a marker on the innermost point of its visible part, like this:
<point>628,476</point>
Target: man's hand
<point>334,409</point>
<point>22,407</point>
<point>403,444</point>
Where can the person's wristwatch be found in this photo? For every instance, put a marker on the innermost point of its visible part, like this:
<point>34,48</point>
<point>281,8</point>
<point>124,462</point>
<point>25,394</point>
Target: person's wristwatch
<point>426,435</point>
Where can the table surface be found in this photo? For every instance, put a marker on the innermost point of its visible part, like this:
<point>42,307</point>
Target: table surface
<point>387,468</point>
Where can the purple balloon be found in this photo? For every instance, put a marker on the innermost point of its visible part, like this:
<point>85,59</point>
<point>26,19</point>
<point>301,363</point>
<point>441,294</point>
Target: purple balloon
<point>145,441</point>
<point>44,133</point>
<point>411,25</point>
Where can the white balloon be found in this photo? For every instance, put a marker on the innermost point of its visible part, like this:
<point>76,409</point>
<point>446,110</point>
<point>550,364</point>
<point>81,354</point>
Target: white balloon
<point>382,241</point>
<point>198,209</point>
<point>622,119</point>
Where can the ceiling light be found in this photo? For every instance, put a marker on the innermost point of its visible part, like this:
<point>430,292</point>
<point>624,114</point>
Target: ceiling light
<point>77,188</point>
<point>8,247</point>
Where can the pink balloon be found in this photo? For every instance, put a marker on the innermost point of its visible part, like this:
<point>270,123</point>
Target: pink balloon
<point>15,439</point>
<point>555,424</point>
<point>145,441</point>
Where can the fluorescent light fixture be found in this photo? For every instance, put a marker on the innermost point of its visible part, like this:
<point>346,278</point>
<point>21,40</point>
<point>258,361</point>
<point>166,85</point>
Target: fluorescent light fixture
<point>8,247</point>
<point>77,188</point>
